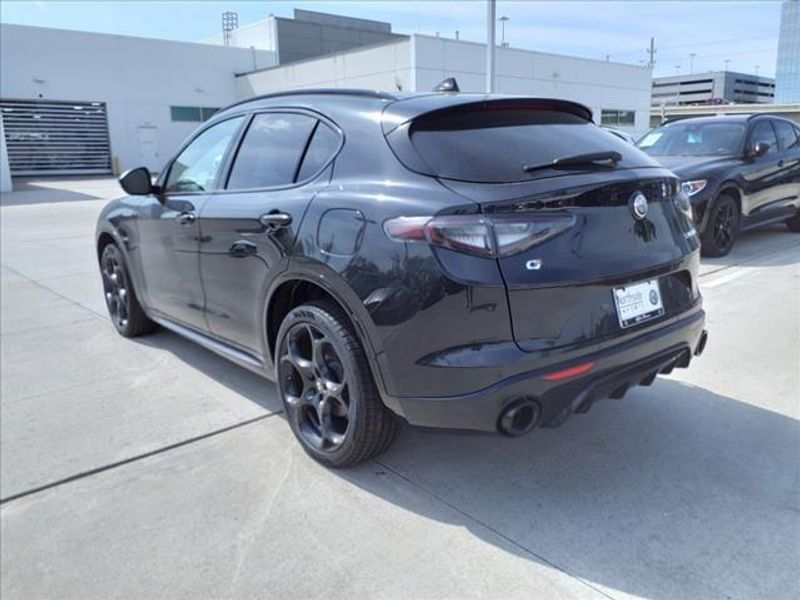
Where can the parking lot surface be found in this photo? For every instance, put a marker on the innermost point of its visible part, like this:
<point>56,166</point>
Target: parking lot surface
<point>151,468</point>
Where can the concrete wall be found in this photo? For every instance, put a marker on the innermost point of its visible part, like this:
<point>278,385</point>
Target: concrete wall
<point>383,67</point>
<point>423,61</point>
<point>597,84</point>
<point>138,78</point>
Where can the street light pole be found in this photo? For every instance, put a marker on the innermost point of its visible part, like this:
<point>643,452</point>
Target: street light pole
<point>503,20</point>
<point>490,42</point>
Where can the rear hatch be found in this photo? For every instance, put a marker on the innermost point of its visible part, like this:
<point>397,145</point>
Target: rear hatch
<point>570,238</point>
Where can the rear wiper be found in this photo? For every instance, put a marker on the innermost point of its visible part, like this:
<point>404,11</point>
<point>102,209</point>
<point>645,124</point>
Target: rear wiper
<point>590,158</point>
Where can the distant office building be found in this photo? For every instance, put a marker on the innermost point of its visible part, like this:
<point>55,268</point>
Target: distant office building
<point>309,34</point>
<point>717,87</point>
<point>787,71</point>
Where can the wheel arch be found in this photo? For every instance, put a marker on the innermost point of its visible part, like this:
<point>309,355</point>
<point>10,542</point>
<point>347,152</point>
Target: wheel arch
<point>292,289</point>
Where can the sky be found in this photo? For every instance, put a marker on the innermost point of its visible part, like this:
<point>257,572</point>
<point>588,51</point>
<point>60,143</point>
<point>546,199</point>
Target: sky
<point>743,33</point>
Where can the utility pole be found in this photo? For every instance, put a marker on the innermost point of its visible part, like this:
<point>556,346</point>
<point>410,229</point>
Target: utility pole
<point>691,62</point>
<point>726,62</point>
<point>652,52</point>
<point>757,68</point>
<point>677,69</point>
<point>490,41</point>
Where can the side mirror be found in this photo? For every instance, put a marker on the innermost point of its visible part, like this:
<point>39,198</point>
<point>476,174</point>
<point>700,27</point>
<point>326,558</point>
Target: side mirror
<point>137,182</point>
<point>760,149</point>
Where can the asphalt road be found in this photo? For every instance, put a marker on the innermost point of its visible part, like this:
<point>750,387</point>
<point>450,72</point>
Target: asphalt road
<point>154,469</point>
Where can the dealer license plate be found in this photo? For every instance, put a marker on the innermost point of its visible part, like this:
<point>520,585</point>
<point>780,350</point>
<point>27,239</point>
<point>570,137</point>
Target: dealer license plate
<point>638,302</point>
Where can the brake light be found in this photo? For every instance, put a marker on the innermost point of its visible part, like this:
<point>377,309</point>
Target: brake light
<point>482,235</point>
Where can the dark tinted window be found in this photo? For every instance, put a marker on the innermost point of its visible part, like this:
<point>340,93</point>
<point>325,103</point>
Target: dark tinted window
<point>196,166</point>
<point>322,147</point>
<point>496,143</point>
<point>787,134</point>
<point>693,139</point>
<point>763,132</point>
<point>271,150</point>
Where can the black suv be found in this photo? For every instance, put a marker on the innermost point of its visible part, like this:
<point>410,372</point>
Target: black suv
<point>450,260</point>
<point>739,172</point>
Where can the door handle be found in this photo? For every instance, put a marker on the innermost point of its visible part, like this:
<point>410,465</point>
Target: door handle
<point>274,220</point>
<point>242,249</point>
<point>186,218</point>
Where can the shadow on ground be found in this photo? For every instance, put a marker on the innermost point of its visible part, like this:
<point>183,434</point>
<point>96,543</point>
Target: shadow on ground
<point>672,492</point>
<point>756,248</point>
<point>56,190</point>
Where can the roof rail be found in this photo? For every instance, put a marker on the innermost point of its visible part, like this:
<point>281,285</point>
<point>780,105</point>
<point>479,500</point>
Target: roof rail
<point>318,91</point>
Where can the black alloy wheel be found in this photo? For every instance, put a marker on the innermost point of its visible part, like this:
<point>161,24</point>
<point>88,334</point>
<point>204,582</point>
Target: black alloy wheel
<point>722,227</point>
<point>315,387</point>
<point>331,402</point>
<point>123,306</point>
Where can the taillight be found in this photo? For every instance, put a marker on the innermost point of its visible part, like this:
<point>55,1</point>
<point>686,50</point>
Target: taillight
<point>483,235</point>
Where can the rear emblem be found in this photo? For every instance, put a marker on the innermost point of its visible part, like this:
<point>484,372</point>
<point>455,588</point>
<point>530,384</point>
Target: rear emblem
<point>638,204</point>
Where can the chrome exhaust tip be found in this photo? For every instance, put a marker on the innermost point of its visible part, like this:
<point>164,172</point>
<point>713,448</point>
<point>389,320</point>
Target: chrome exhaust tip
<point>519,417</point>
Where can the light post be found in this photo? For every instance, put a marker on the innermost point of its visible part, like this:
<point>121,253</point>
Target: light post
<point>503,20</point>
<point>490,41</point>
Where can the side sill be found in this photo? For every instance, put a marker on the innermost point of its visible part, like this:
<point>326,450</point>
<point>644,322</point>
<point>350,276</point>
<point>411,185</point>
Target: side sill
<point>249,362</point>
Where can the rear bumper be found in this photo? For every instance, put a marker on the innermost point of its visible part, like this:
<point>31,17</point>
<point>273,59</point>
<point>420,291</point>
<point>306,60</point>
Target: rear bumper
<point>615,369</point>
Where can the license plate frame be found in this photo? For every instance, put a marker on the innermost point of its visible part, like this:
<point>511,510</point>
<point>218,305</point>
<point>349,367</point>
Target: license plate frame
<point>638,302</point>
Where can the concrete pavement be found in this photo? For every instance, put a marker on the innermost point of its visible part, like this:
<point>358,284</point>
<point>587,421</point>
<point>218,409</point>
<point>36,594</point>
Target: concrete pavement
<point>153,468</point>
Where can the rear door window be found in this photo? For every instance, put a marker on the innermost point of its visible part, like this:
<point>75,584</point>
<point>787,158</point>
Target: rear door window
<point>271,151</point>
<point>494,144</point>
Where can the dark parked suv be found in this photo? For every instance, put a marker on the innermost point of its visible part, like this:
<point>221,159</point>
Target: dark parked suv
<point>451,260</point>
<point>739,171</point>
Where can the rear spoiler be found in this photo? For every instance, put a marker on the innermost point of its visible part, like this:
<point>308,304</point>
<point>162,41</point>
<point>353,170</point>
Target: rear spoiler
<point>403,111</point>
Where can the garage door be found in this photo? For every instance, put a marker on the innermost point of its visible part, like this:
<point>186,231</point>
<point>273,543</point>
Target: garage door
<point>56,138</point>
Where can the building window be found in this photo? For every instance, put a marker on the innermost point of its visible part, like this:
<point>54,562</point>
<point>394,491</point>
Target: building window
<point>192,114</point>
<point>617,117</point>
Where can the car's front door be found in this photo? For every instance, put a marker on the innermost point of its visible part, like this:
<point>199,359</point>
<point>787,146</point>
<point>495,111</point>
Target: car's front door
<point>168,228</point>
<point>249,228</point>
<point>762,174</point>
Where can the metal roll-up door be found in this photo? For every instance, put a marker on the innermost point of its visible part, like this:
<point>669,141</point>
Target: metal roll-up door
<point>56,138</point>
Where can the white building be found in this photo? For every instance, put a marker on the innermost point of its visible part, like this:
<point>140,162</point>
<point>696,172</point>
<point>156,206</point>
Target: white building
<point>618,94</point>
<point>77,102</point>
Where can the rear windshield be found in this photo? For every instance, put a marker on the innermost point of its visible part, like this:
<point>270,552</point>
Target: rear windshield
<point>694,139</point>
<point>495,145</point>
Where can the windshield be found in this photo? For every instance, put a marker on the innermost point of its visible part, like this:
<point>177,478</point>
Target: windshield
<point>694,139</point>
<point>496,144</point>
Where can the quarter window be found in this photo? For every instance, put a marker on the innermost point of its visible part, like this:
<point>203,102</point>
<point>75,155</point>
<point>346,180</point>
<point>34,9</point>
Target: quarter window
<point>322,147</point>
<point>787,135</point>
<point>196,167</point>
<point>271,151</point>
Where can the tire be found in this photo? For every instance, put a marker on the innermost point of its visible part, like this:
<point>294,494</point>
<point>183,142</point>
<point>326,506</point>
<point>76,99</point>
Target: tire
<point>330,397</point>
<point>721,228</point>
<point>794,223</point>
<point>123,306</point>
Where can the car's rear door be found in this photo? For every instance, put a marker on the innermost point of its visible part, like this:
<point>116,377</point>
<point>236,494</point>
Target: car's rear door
<point>168,230</point>
<point>789,140</point>
<point>248,228</point>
